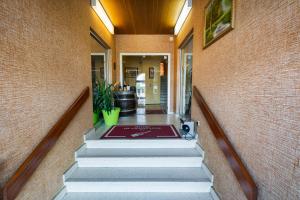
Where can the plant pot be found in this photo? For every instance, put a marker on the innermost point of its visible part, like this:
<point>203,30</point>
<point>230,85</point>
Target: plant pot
<point>112,118</point>
<point>95,118</point>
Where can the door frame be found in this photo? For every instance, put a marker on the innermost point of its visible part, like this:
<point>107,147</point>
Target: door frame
<point>108,57</point>
<point>106,76</point>
<point>182,85</point>
<point>186,40</point>
<point>150,54</point>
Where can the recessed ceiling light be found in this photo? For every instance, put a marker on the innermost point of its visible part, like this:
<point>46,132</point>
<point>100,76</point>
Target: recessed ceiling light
<point>96,5</point>
<point>183,15</point>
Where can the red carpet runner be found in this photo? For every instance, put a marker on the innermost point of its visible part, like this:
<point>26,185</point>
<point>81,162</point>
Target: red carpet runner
<point>149,112</point>
<point>141,132</point>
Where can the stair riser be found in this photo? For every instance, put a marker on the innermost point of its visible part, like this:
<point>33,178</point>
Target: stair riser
<point>141,143</point>
<point>138,186</point>
<point>140,162</point>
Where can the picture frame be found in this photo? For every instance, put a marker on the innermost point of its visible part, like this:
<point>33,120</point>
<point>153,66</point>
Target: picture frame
<point>151,72</point>
<point>218,20</point>
<point>131,72</point>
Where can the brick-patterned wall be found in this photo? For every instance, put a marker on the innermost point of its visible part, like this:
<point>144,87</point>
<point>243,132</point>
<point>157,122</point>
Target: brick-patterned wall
<point>44,65</point>
<point>250,79</point>
<point>146,44</point>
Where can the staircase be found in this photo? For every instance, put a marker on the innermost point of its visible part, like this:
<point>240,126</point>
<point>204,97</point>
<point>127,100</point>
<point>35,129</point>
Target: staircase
<point>164,91</point>
<point>167,169</point>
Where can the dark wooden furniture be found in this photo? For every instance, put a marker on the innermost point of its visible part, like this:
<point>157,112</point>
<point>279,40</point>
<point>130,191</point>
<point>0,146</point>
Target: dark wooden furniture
<point>15,184</point>
<point>239,169</point>
<point>127,101</point>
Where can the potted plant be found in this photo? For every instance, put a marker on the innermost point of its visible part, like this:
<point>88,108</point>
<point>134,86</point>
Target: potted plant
<point>105,103</point>
<point>96,110</point>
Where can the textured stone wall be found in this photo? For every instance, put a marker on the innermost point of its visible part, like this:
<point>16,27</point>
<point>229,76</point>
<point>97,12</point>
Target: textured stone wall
<point>250,79</point>
<point>44,65</point>
<point>146,44</point>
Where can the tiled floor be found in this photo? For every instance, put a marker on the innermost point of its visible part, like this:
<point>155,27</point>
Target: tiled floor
<point>139,120</point>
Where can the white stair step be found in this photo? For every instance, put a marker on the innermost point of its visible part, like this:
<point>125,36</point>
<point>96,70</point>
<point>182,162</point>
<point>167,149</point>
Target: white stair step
<point>141,143</point>
<point>140,162</point>
<point>124,173</point>
<point>138,180</point>
<point>137,196</point>
<point>139,152</point>
<point>140,157</point>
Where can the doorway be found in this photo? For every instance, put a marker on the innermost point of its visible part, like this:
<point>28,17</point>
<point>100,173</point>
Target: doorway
<point>186,63</point>
<point>148,74</point>
<point>99,68</point>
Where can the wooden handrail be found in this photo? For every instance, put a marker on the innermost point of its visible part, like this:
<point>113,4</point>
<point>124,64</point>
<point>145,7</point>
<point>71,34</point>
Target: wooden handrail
<point>14,185</point>
<point>243,176</point>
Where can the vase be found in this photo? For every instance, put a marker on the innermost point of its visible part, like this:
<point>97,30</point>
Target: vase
<point>112,117</point>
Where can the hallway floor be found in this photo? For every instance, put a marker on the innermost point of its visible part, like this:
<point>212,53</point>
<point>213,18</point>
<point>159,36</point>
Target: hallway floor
<point>142,109</point>
<point>138,120</point>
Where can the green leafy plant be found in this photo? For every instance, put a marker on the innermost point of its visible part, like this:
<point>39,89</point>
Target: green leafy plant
<point>104,99</point>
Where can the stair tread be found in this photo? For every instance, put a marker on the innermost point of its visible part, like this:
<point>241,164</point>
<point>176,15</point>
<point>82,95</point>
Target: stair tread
<point>146,152</point>
<point>138,174</point>
<point>137,196</point>
<point>93,138</point>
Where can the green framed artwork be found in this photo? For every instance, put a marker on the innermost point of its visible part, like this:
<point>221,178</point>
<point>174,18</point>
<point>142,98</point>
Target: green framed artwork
<point>219,20</point>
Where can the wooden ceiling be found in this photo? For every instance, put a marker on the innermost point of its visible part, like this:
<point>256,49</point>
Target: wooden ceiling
<point>143,16</point>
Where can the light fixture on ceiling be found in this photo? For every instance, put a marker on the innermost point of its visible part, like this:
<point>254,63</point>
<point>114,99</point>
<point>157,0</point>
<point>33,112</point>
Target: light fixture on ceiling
<point>183,15</point>
<point>96,5</point>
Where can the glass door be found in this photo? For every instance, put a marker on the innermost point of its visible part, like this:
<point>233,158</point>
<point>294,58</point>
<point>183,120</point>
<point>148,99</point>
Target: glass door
<point>186,57</point>
<point>98,67</point>
<point>99,70</point>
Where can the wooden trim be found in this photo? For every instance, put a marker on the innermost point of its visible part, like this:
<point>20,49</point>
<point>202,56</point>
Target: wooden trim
<point>94,34</point>
<point>240,171</point>
<point>15,184</point>
<point>186,39</point>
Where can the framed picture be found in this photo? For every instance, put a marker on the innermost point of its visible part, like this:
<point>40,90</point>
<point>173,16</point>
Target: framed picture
<point>131,72</point>
<point>151,72</point>
<point>219,20</point>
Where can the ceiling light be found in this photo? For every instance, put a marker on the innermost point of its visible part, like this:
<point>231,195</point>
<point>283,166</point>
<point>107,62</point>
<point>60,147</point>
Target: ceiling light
<point>183,15</point>
<point>96,5</point>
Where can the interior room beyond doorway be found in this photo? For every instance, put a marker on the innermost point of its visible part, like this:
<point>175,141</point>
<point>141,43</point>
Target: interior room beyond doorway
<point>148,74</point>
